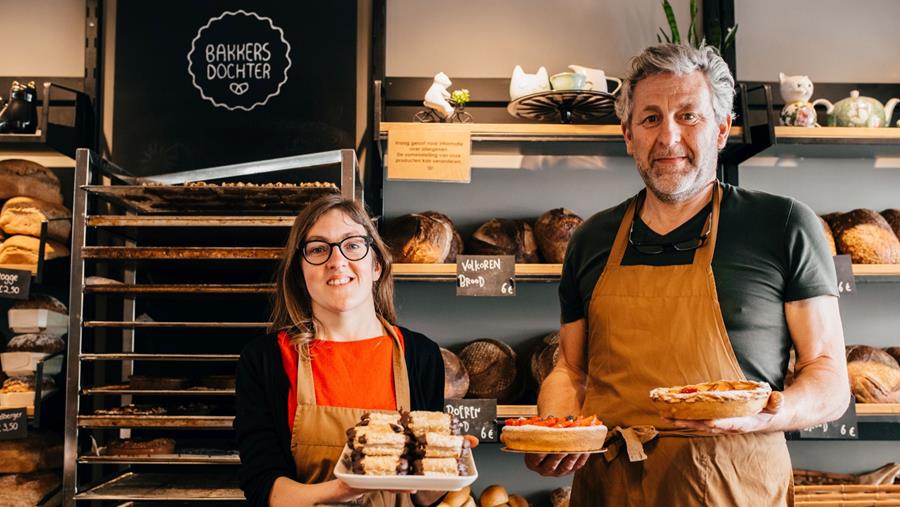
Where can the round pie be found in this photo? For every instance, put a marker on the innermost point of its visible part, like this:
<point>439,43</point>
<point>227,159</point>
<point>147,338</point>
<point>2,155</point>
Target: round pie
<point>557,435</point>
<point>711,400</point>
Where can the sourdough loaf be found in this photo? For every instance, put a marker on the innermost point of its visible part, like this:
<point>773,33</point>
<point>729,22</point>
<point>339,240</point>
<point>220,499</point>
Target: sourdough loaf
<point>41,302</point>
<point>500,236</point>
<point>28,490</point>
<point>866,236</point>
<point>867,353</point>
<point>492,369</point>
<point>36,342</point>
<point>422,238</point>
<point>893,219</point>
<point>25,178</point>
<point>894,352</point>
<point>872,382</point>
<point>553,230</point>
<point>829,237</point>
<point>456,378</point>
<point>544,357</point>
<point>23,215</point>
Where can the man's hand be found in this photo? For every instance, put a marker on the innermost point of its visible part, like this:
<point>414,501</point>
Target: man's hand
<point>555,465</point>
<point>734,425</point>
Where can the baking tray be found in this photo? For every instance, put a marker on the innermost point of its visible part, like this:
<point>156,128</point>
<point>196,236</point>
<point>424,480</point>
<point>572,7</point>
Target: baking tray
<point>157,421</point>
<point>166,487</point>
<point>212,199</point>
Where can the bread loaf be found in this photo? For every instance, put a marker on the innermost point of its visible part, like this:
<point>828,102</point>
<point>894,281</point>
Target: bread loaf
<point>560,497</point>
<point>544,357</point>
<point>456,378</point>
<point>866,237</point>
<point>28,490</point>
<point>829,237</point>
<point>492,369</point>
<point>456,246</point>
<point>493,496</point>
<point>40,450</point>
<point>867,353</point>
<point>500,236</point>
<point>41,302</point>
<point>894,352</point>
<point>892,216</point>
<point>23,215</point>
<point>872,382</point>
<point>36,342</point>
<point>518,501</point>
<point>422,238</point>
<point>553,230</point>
<point>23,250</point>
<point>25,178</point>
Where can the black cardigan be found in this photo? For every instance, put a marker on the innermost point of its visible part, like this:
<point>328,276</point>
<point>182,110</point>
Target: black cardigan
<point>263,436</point>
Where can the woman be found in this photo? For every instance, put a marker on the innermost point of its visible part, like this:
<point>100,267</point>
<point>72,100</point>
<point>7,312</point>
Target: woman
<point>336,355</point>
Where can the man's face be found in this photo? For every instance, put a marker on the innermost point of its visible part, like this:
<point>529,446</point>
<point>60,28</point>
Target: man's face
<point>673,135</point>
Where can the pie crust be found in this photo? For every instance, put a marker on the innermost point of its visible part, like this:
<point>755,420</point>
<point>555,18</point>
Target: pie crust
<point>711,400</point>
<point>536,438</point>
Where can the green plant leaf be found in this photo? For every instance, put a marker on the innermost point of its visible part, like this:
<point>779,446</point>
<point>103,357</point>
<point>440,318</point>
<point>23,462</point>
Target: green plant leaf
<point>692,30</point>
<point>664,35</point>
<point>729,37</point>
<point>673,23</point>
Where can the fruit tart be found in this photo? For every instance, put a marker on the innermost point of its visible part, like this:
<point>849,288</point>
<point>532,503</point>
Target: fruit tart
<point>554,434</point>
<point>711,400</point>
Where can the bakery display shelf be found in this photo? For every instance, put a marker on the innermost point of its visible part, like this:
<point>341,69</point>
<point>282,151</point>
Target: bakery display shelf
<point>164,459</point>
<point>181,253</point>
<point>835,142</point>
<point>156,325</point>
<point>189,221</point>
<point>37,138</point>
<point>165,487</point>
<point>878,409</point>
<point>156,421</point>
<point>123,356</point>
<point>846,495</point>
<point>220,288</point>
<point>126,390</point>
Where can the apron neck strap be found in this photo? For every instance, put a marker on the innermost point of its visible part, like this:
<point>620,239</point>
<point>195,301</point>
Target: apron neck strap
<point>704,255</point>
<point>306,389</point>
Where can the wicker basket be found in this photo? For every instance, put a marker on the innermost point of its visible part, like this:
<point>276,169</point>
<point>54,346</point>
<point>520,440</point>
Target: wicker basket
<point>847,495</point>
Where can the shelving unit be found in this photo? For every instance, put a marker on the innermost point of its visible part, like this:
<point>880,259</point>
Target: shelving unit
<point>193,251</point>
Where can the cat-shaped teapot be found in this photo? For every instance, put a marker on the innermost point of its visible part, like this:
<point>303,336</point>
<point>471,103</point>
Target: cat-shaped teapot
<point>798,111</point>
<point>856,111</point>
<point>523,84</point>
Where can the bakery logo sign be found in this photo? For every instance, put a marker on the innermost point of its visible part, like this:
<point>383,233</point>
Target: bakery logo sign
<point>239,60</point>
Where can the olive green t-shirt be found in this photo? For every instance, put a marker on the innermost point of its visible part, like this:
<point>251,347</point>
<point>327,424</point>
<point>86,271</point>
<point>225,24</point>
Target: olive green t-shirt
<point>770,250</point>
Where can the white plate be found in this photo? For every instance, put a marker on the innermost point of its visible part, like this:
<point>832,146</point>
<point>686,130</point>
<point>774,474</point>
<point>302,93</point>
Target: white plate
<point>17,364</point>
<point>406,482</point>
<point>36,320</point>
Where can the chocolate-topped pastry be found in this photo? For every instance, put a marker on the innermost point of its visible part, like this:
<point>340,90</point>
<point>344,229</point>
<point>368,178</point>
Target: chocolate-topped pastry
<point>438,467</point>
<point>379,465</point>
<point>379,418</point>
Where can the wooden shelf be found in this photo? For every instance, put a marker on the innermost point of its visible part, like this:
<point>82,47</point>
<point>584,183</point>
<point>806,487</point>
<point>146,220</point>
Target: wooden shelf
<point>125,390</point>
<point>552,272</point>
<point>165,459</point>
<point>166,487</point>
<point>188,221</point>
<point>835,142</point>
<point>532,132</point>
<point>878,409</point>
<point>158,325</point>
<point>510,411</point>
<point>257,288</point>
<point>159,357</point>
<point>181,253</point>
<point>186,422</point>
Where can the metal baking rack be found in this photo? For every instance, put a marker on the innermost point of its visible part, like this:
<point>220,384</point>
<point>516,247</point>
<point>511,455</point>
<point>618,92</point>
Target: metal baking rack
<point>199,260</point>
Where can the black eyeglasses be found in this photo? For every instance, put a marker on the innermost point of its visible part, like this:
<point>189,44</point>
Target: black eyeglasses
<point>353,248</point>
<point>680,246</point>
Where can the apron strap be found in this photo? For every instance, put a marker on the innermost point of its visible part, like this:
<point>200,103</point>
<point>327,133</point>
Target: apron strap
<point>634,438</point>
<point>306,389</point>
<point>703,256</point>
<point>621,242</point>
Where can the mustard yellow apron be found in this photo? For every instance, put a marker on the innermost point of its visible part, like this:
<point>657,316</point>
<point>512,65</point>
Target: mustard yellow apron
<point>652,326</point>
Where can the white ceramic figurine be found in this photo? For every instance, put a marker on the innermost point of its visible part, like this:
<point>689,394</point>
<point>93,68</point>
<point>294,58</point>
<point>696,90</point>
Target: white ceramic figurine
<point>436,96</point>
<point>523,84</point>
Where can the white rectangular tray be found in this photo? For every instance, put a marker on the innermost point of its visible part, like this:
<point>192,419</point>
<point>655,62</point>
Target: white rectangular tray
<point>38,320</point>
<point>406,482</point>
<point>17,364</point>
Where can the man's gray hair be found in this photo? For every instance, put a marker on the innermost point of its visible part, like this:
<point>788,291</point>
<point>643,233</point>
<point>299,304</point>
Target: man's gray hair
<point>679,59</point>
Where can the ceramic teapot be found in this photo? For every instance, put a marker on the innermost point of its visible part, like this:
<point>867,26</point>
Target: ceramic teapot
<point>856,111</point>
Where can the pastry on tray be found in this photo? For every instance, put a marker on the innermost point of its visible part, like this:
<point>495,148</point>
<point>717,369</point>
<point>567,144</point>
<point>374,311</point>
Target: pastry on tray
<point>554,434</point>
<point>137,447</point>
<point>711,400</point>
<point>132,410</point>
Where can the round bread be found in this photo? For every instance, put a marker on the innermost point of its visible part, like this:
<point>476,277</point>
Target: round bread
<point>24,215</point>
<point>492,496</point>
<point>874,354</point>
<point>544,357</point>
<point>518,501</point>
<point>25,178</point>
<point>41,302</point>
<point>36,342</point>
<point>491,365</point>
<point>553,230</point>
<point>500,236</point>
<point>456,378</point>
<point>866,236</point>
<point>892,216</point>
<point>140,447</point>
<point>456,245</point>
<point>829,237</point>
<point>711,400</point>
<point>543,439</point>
<point>456,498</point>
<point>894,352</point>
<point>560,496</point>
<point>421,238</point>
<point>872,382</point>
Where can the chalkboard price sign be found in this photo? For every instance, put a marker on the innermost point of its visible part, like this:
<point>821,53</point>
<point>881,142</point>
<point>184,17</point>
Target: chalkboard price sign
<point>13,424</point>
<point>477,417</point>
<point>845,428</point>
<point>14,283</point>
<point>485,275</point>
<point>844,269</point>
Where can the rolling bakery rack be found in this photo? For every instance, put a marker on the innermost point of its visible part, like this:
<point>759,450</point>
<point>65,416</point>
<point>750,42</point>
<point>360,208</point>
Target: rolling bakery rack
<point>171,276</point>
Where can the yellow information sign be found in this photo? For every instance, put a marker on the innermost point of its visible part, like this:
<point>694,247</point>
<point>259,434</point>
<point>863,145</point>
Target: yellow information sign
<point>430,153</point>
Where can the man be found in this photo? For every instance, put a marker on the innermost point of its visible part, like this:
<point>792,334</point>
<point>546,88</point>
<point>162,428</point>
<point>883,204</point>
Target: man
<point>691,281</point>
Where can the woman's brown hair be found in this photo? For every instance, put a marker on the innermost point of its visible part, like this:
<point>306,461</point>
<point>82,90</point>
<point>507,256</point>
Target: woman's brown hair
<point>292,308</point>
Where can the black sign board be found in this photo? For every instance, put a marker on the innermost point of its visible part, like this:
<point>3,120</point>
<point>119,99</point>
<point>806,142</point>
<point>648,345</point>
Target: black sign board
<point>14,283</point>
<point>844,268</point>
<point>485,275</point>
<point>13,424</point>
<point>477,417</point>
<point>844,428</point>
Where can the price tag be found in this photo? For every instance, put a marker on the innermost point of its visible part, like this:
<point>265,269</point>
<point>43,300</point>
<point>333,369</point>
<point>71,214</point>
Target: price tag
<point>845,428</point>
<point>477,417</point>
<point>486,275</point>
<point>13,423</point>
<point>844,268</point>
<point>14,283</point>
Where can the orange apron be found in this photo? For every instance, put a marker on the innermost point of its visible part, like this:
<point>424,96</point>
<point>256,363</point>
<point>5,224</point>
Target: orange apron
<point>319,432</point>
<point>652,326</point>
